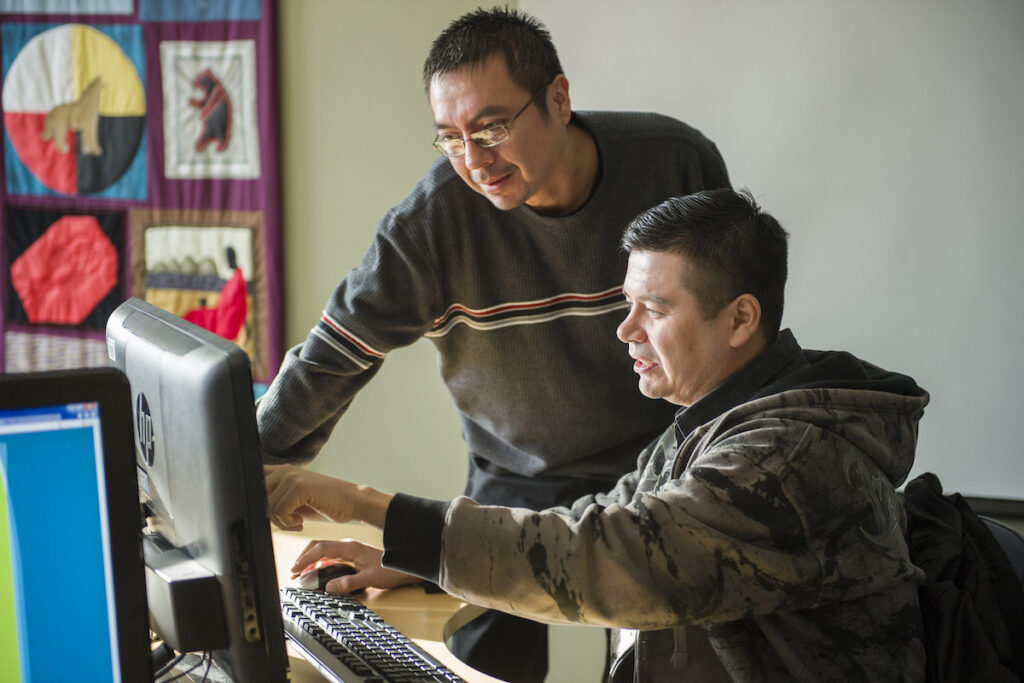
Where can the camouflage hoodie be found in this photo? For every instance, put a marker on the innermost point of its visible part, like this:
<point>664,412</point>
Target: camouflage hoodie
<point>759,538</point>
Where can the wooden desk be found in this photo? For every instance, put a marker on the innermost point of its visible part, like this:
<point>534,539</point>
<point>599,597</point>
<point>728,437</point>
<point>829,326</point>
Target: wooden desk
<point>427,618</point>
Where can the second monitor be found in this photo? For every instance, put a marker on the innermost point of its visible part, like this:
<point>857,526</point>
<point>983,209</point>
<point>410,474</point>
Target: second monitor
<point>201,485</point>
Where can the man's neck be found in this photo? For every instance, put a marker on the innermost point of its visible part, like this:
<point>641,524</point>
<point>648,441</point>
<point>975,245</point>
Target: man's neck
<point>575,181</point>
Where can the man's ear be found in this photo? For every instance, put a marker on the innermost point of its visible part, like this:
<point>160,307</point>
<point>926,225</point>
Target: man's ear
<point>558,104</point>
<point>746,319</point>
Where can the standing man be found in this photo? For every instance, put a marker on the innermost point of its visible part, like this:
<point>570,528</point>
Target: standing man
<point>759,538</point>
<point>506,256</point>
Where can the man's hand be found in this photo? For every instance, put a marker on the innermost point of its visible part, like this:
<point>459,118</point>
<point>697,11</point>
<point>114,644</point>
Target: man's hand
<point>294,494</point>
<point>365,558</point>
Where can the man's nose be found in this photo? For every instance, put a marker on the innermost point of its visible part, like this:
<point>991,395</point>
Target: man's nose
<point>628,331</point>
<point>477,156</point>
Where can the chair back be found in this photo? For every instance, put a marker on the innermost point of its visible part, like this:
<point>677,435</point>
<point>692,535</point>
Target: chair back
<point>1012,543</point>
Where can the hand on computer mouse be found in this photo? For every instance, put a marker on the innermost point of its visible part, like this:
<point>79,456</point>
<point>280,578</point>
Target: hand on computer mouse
<point>317,575</point>
<point>365,558</point>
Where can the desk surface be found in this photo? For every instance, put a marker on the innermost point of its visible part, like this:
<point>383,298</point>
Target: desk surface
<point>427,618</point>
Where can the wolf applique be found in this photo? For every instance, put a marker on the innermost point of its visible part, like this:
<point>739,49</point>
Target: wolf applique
<point>82,115</point>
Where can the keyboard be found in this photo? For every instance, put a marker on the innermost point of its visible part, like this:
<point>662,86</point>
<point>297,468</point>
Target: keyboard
<point>347,641</point>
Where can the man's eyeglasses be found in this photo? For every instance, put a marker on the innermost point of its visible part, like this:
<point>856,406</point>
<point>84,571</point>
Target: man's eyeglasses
<point>491,136</point>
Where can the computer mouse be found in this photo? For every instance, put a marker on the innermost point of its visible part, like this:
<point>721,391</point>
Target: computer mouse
<point>316,577</point>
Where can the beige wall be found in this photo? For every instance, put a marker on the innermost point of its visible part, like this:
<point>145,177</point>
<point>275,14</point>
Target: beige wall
<point>355,136</point>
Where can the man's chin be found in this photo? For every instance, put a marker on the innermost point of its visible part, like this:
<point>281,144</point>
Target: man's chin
<point>502,202</point>
<point>501,198</point>
<point>650,391</point>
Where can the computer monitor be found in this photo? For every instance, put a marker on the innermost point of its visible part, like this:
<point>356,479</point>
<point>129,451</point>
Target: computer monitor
<point>72,593</point>
<point>201,484</point>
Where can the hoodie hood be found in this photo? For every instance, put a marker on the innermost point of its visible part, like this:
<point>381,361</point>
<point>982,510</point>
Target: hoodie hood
<point>881,425</point>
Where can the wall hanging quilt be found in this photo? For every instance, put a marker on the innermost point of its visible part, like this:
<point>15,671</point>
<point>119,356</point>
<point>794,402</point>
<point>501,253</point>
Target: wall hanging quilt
<point>139,159</point>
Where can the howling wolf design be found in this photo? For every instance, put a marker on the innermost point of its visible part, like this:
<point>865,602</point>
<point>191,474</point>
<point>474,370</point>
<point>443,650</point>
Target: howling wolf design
<point>82,115</point>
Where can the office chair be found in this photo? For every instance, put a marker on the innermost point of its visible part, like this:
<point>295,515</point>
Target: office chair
<point>1012,543</point>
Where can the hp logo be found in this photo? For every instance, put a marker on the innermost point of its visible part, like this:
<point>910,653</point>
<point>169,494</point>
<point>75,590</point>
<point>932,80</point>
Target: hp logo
<point>144,429</point>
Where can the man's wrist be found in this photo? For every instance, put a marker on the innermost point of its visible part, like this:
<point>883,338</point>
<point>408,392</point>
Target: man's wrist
<point>371,506</point>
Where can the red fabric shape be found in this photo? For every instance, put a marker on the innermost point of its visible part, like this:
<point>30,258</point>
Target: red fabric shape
<point>64,274</point>
<point>227,318</point>
<point>56,170</point>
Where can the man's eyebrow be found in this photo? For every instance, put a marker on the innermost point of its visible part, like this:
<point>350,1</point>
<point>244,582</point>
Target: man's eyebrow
<point>647,298</point>
<point>654,299</point>
<point>486,112</point>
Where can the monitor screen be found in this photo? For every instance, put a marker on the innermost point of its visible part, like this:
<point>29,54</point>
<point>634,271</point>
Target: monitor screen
<point>72,595</point>
<point>200,477</point>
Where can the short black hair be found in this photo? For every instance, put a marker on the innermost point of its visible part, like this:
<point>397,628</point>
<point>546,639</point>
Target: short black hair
<point>732,245</point>
<point>474,37</point>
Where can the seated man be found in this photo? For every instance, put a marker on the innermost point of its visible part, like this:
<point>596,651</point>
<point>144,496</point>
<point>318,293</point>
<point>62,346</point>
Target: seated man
<point>759,537</point>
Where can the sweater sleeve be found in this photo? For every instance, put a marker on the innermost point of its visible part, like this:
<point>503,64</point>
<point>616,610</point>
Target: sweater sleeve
<point>387,301</point>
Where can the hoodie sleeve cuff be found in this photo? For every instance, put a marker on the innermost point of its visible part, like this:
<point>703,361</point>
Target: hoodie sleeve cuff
<point>412,536</point>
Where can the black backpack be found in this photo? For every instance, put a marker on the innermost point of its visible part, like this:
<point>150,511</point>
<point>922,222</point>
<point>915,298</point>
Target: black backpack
<point>972,602</point>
